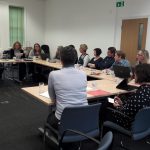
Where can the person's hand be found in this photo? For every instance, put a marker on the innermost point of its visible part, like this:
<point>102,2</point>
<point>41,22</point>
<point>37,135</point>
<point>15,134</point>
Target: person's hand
<point>89,64</point>
<point>117,102</point>
<point>92,66</point>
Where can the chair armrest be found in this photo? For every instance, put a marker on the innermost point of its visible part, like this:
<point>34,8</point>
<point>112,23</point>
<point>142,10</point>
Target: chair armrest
<point>79,133</point>
<point>116,127</point>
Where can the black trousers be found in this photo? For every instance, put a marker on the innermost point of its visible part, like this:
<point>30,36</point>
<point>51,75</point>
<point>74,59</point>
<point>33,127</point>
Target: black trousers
<point>52,120</point>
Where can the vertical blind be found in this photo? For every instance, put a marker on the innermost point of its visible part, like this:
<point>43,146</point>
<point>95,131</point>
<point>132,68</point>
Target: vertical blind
<point>16,24</point>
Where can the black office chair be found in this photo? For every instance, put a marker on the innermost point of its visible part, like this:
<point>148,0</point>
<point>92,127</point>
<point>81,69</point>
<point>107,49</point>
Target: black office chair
<point>46,50</point>
<point>1,70</point>
<point>82,118</point>
<point>140,127</point>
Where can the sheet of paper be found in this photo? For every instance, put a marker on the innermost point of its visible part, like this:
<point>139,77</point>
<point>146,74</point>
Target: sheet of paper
<point>89,88</point>
<point>45,94</point>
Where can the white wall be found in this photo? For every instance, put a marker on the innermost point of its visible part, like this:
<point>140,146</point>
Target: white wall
<point>34,21</point>
<point>63,22</point>
<point>133,9</point>
<point>80,21</point>
<point>95,22</point>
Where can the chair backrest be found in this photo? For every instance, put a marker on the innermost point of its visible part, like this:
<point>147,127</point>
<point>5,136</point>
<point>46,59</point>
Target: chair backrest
<point>6,54</point>
<point>106,141</point>
<point>141,125</point>
<point>46,50</point>
<point>81,118</point>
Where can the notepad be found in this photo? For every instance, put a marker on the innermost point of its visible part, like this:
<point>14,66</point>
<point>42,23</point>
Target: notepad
<point>45,94</point>
<point>98,92</point>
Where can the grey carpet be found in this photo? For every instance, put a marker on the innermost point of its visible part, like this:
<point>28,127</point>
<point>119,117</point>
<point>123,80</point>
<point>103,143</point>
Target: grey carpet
<point>20,117</point>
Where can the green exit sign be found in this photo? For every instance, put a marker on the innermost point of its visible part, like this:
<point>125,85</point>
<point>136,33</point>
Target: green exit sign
<point>120,4</point>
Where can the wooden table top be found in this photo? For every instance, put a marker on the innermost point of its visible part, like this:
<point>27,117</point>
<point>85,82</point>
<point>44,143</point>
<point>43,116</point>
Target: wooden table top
<point>98,89</point>
<point>97,74</point>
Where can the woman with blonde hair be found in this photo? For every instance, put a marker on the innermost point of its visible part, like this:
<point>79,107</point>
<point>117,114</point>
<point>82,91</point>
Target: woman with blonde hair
<point>16,51</point>
<point>142,57</point>
<point>84,57</point>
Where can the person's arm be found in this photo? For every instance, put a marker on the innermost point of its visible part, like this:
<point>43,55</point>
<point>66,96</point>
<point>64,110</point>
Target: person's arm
<point>134,103</point>
<point>51,90</point>
<point>11,53</point>
<point>105,63</point>
<point>86,60</point>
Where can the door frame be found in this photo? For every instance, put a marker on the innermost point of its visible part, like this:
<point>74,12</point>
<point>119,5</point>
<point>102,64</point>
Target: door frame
<point>117,40</point>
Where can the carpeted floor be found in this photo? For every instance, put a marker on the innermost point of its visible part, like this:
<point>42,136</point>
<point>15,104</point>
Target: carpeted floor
<point>20,117</point>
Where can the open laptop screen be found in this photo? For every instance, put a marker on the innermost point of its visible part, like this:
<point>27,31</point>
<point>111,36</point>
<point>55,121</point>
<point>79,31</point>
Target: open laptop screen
<point>121,71</point>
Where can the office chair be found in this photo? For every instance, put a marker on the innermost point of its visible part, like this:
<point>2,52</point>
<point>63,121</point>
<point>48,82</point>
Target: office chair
<point>140,128</point>
<point>104,144</point>
<point>82,118</point>
<point>46,50</point>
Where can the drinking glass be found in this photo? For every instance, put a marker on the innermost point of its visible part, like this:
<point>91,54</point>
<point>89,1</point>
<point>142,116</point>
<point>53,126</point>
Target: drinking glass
<point>41,87</point>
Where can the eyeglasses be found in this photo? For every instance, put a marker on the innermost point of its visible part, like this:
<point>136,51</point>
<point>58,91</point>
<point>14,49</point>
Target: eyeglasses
<point>139,55</point>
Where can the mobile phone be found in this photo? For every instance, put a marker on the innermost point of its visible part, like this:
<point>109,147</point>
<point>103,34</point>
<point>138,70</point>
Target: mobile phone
<point>111,100</point>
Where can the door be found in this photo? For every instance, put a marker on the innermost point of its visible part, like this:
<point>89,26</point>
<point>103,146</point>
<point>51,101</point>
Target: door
<point>133,37</point>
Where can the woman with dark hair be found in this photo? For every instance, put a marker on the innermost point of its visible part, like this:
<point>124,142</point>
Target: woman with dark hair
<point>133,102</point>
<point>96,59</point>
<point>76,52</point>
<point>57,56</point>
<point>37,51</point>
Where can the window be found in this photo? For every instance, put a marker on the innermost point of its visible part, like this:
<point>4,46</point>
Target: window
<point>16,24</point>
<point>140,35</point>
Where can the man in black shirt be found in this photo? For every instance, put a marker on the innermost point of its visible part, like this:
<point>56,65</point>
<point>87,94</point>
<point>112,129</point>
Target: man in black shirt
<point>108,60</point>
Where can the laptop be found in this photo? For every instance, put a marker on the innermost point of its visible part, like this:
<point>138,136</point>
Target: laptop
<point>121,71</point>
<point>123,85</point>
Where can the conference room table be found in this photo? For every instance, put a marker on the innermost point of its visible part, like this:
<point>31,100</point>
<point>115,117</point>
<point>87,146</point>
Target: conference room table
<point>94,73</point>
<point>95,89</point>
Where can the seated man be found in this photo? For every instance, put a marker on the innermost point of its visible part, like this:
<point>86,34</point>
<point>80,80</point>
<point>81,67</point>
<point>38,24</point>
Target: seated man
<point>67,87</point>
<point>108,60</point>
<point>120,60</point>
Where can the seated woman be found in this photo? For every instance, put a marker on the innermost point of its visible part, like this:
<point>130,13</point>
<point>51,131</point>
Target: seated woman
<point>84,57</point>
<point>142,57</point>
<point>97,59</point>
<point>120,60</point>
<point>133,102</point>
<point>76,52</point>
<point>36,51</point>
<point>57,56</point>
<point>16,51</point>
